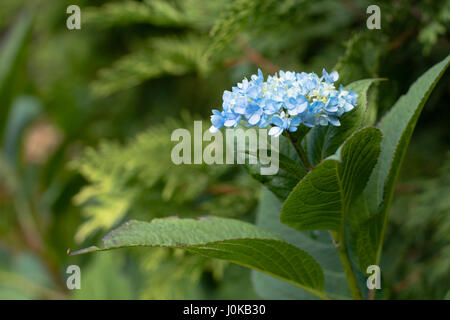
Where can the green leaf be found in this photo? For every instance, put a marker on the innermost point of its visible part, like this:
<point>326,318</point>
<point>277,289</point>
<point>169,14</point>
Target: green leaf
<point>397,127</point>
<point>226,239</point>
<point>289,166</point>
<point>24,276</point>
<point>290,173</point>
<point>301,132</point>
<point>11,53</point>
<point>317,244</point>
<point>323,141</point>
<point>24,110</point>
<point>295,169</point>
<point>366,241</point>
<point>321,199</point>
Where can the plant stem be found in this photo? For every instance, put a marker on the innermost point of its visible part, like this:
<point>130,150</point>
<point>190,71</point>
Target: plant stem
<point>301,153</point>
<point>349,273</point>
<point>371,294</point>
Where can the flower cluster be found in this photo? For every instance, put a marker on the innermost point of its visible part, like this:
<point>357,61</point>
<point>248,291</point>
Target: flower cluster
<point>284,101</point>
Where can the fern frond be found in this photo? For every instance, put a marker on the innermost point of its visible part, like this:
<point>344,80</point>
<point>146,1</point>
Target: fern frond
<point>176,274</point>
<point>174,13</point>
<point>156,12</point>
<point>362,57</point>
<point>139,178</point>
<point>160,56</point>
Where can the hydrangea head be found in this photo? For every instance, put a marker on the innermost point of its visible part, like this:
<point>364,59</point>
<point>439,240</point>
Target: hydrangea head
<point>284,101</point>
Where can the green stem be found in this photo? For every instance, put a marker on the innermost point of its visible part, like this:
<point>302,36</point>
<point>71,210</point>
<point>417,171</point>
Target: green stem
<point>351,278</point>
<point>371,294</point>
<point>339,243</point>
<point>301,153</point>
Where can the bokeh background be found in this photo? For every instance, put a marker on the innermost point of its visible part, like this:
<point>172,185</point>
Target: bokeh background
<point>86,117</point>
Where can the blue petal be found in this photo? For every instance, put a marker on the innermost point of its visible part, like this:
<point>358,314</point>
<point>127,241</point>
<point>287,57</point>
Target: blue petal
<point>277,121</point>
<point>295,122</point>
<point>254,119</point>
<point>217,121</point>
<point>334,121</point>
<point>275,131</point>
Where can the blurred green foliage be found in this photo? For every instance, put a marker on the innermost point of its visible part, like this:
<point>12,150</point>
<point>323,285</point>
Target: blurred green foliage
<point>86,117</point>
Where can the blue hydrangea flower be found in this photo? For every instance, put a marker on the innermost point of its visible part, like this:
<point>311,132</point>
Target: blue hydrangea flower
<point>284,101</point>
<point>330,78</point>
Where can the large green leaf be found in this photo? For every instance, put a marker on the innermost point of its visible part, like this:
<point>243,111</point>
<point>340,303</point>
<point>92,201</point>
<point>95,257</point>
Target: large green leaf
<point>323,141</point>
<point>397,127</point>
<point>317,244</point>
<point>227,239</point>
<point>322,198</point>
